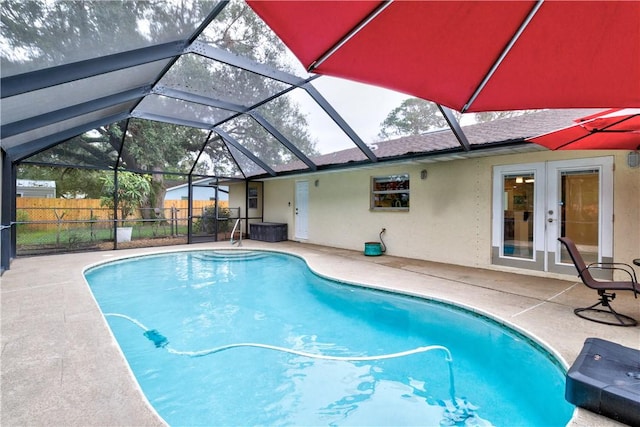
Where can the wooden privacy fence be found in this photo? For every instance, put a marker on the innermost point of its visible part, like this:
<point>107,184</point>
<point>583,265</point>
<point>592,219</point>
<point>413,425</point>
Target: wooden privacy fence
<point>44,213</point>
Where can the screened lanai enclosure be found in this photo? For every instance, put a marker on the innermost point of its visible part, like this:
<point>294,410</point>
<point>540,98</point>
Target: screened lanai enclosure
<point>142,114</point>
<point>114,102</point>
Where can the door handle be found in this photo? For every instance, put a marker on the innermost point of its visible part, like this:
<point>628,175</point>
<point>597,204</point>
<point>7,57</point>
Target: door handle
<point>550,220</point>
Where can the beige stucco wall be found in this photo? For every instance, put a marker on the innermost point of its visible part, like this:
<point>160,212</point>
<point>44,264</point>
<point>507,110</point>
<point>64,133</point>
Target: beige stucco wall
<point>445,210</point>
<point>450,216</point>
<point>237,199</point>
<point>626,208</point>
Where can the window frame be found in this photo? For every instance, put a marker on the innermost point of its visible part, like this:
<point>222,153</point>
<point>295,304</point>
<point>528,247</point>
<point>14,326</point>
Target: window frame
<point>382,188</point>
<point>252,198</point>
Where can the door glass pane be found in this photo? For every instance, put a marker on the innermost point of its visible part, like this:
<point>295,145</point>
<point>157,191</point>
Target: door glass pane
<point>579,213</point>
<point>517,231</point>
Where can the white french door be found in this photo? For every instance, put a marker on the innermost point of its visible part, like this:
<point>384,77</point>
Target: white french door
<point>535,203</point>
<point>302,210</point>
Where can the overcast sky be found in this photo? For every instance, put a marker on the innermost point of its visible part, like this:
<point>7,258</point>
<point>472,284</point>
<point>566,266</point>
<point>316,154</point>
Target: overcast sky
<point>362,106</point>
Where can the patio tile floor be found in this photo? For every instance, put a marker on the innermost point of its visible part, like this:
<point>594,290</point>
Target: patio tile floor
<point>60,364</point>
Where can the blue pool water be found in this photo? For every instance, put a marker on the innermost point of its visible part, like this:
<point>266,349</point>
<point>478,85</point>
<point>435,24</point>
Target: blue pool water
<point>171,313</point>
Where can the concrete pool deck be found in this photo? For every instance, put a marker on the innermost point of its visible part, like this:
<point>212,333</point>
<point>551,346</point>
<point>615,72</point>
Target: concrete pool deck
<point>61,365</point>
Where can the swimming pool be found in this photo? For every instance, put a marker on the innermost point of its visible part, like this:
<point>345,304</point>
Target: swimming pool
<point>178,316</point>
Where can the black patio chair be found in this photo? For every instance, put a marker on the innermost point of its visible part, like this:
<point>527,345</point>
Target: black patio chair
<point>602,287</point>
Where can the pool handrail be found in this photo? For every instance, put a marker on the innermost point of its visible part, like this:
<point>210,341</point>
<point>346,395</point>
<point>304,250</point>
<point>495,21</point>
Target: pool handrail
<point>233,232</point>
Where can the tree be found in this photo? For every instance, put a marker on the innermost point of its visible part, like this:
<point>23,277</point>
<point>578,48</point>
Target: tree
<point>240,30</point>
<point>414,116</point>
<point>70,182</point>
<point>157,147</point>
<point>46,33</point>
<point>50,33</point>
<point>133,190</point>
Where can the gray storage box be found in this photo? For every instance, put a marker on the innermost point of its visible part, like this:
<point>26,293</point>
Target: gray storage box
<point>268,231</point>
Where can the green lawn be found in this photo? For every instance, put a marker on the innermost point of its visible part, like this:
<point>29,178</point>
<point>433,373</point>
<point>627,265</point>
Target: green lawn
<point>75,235</point>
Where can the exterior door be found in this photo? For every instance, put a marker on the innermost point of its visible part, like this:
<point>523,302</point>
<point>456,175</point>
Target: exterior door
<point>580,206</point>
<point>535,203</point>
<point>301,210</point>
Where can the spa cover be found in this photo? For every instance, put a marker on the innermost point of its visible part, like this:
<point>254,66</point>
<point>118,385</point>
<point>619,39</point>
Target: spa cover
<point>605,378</point>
